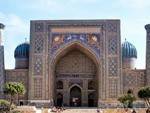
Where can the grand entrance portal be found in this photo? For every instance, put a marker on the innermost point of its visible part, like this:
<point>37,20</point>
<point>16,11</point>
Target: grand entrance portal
<point>75,79</point>
<point>75,96</point>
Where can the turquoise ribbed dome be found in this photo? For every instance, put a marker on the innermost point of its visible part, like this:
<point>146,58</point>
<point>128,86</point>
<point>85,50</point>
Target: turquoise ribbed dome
<point>22,51</point>
<point>128,50</point>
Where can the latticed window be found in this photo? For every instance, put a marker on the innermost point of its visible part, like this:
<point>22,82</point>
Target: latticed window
<point>59,85</point>
<point>91,85</point>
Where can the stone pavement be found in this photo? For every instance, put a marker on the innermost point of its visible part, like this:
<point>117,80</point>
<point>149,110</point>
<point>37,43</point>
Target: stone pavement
<point>87,110</point>
<point>32,109</point>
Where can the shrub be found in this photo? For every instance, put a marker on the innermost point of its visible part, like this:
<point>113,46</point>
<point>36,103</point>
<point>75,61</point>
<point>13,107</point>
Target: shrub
<point>4,105</point>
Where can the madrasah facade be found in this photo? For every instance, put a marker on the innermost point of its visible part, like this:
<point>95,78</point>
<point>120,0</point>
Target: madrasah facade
<point>75,63</point>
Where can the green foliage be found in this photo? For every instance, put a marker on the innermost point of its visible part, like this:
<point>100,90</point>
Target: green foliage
<point>144,94</point>
<point>14,88</point>
<point>127,100</point>
<point>20,88</point>
<point>4,106</point>
<point>10,88</point>
<point>16,111</point>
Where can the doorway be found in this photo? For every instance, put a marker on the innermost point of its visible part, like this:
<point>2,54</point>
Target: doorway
<point>75,96</point>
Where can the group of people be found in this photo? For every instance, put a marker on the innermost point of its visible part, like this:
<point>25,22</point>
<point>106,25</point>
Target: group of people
<point>126,111</point>
<point>57,109</point>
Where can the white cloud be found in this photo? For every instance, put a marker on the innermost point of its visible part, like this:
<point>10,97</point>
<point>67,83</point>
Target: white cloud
<point>15,32</point>
<point>136,4</point>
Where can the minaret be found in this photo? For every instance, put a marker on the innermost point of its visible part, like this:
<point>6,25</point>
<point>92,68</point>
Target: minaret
<point>1,62</point>
<point>2,26</point>
<point>147,27</point>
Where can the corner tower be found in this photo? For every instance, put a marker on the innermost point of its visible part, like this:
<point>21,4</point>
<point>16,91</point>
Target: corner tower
<point>147,27</point>
<point>1,61</point>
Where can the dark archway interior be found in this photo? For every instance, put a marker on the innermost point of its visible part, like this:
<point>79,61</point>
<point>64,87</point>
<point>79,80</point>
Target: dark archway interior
<point>75,67</point>
<point>75,96</point>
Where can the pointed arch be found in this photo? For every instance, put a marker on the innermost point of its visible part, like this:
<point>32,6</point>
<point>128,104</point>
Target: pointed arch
<point>74,45</point>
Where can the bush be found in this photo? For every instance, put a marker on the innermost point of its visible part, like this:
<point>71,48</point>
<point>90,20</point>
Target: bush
<point>16,112</point>
<point>5,106</point>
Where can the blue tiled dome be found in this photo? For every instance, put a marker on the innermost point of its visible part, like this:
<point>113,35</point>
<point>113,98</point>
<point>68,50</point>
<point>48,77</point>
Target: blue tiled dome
<point>22,51</point>
<point>128,50</point>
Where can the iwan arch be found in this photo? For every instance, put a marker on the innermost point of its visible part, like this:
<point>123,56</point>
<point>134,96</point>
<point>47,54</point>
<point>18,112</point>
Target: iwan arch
<point>75,62</point>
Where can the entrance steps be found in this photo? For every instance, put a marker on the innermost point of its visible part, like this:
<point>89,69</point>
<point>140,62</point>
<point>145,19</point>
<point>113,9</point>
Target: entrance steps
<point>80,110</point>
<point>88,110</point>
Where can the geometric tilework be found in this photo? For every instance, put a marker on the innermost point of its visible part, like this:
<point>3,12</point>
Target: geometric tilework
<point>38,66</point>
<point>113,67</point>
<point>112,88</point>
<point>38,44</point>
<point>111,27</point>
<point>37,87</point>
<point>112,46</point>
<point>129,80</point>
<point>39,27</point>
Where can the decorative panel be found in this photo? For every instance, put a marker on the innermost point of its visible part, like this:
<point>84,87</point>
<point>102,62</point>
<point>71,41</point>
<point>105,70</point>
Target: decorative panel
<point>113,67</point>
<point>37,87</point>
<point>112,27</point>
<point>92,41</point>
<point>75,62</point>
<point>130,80</point>
<point>113,88</point>
<point>39,27</point>
<point>38,44</point>
<point>38,65</point>
<point>112,46</point>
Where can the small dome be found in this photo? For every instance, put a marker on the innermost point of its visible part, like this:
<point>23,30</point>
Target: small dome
<point>22,51</point>
<point>128,50</point>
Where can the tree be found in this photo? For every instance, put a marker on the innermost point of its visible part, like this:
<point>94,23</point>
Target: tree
<point>144,93</point>
<point>20,90</point>
<point>12,89</point>
<point>127,99</point>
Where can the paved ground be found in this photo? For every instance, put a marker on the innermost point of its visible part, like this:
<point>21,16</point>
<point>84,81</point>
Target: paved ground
<point>87,110</point>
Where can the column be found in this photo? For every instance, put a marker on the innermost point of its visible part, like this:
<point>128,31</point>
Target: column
<point>66,92</point>
<point>85,93</point>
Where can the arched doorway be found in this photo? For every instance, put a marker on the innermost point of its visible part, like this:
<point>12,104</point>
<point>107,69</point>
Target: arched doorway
<point>91,100</point>
<point>75,65</point>
<point>75,96</point>
<point>59,100</point>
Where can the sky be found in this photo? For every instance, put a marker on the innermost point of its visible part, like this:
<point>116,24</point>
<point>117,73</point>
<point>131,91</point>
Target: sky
<point>16,15</point>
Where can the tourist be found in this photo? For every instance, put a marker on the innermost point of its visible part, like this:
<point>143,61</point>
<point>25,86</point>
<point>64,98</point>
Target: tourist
<point>133,111</point>
<point>148,110</point>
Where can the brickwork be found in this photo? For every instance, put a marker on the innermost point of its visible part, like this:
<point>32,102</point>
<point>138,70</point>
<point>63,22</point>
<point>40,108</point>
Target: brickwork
<point>18,75</point>
<point>134,80</point>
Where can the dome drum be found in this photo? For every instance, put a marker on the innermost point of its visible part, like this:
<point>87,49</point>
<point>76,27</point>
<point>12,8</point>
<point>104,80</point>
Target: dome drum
<point>21,55</point>
<point>129,55</point>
